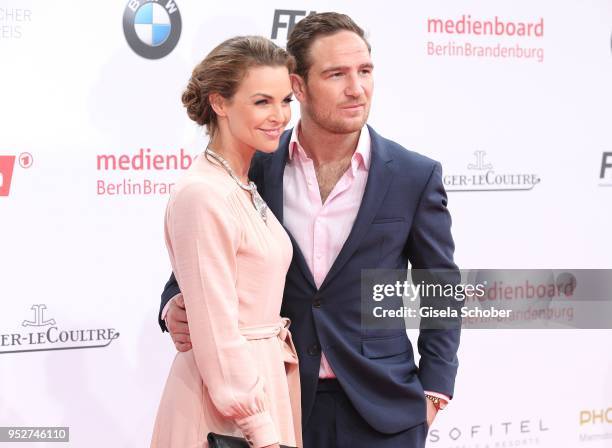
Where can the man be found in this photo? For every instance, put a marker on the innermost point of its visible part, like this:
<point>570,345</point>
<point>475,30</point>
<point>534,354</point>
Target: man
<point>350,200</point>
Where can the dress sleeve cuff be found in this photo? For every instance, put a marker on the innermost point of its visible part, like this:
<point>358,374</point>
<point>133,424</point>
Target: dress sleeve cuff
<point>258,429</point>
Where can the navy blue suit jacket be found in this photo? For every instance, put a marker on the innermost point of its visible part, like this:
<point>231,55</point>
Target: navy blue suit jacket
<point>402,217</point>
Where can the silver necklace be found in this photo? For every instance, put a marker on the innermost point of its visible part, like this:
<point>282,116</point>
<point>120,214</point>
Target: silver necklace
<point>258,202</point>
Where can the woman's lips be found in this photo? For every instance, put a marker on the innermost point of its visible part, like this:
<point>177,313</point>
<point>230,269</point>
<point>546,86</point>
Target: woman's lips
<point>272,133</point>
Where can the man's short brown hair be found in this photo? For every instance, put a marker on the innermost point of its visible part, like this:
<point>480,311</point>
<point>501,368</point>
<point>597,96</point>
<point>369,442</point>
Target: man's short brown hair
<point>313,26</point>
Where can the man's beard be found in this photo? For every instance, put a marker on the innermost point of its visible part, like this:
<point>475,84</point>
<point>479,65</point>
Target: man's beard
<point>334,125</point>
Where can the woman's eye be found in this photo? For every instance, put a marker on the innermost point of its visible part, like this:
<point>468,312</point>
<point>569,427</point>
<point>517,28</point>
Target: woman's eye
<point>261,102</point>
<point>288,100</point>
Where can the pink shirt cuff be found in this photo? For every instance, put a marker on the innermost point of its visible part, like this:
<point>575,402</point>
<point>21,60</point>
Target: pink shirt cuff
<point>167,307</point>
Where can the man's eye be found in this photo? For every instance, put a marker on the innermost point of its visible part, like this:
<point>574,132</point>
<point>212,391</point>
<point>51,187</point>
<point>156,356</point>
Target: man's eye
<point>336,75</point>
<point>366,71</point>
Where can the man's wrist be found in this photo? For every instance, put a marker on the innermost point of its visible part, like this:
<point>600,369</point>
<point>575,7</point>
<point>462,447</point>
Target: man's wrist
<point>438,402</point>
<point>164,312</point>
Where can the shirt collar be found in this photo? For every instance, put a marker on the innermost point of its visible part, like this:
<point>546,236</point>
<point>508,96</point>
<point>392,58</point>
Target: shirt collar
<point>361,156</point>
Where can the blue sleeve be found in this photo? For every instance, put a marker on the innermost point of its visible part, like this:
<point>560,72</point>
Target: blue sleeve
<point>430,246</point>
<point>170,290</point>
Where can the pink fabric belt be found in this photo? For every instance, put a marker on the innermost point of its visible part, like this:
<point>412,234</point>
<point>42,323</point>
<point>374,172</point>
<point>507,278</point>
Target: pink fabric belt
<point>281,331</point>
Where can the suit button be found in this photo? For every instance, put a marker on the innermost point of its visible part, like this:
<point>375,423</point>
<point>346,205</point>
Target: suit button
<point>316,302</point>
<point>314,350</point>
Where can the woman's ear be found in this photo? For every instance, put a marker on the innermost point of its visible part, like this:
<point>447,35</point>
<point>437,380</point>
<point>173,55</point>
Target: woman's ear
<point>218,104</point>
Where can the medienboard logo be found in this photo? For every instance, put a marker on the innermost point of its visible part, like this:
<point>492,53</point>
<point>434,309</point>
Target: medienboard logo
<point>152,30</point>
<point>46,335</point>
<point>491,37</point>
<point>145,172</point>
<point>482,177</point>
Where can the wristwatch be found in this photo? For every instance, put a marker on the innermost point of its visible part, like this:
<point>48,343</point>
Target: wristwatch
<point>438,403</point>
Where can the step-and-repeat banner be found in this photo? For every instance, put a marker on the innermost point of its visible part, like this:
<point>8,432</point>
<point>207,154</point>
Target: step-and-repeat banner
<point>513,97</point>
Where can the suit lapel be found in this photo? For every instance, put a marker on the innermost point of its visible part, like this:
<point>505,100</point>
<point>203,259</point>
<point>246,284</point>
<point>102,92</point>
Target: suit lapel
<point>273,191</point>
<point>273,177</point>
<point>380,176</point>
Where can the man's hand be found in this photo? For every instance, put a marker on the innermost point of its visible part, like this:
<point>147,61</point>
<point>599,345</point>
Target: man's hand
<point>431,413</point>
<point>176,321</point>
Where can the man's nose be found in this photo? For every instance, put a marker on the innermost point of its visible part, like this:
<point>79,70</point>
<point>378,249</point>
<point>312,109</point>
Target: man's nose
<point>354,87</point>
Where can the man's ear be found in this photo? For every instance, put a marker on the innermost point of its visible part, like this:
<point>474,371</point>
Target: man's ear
<point>298,85</point>
<point>218,104</point>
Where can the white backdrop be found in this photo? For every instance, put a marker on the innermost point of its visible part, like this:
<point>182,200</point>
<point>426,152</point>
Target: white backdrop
<point>72,90</point>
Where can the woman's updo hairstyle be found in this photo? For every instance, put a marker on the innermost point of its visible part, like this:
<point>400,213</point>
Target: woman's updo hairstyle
<point>222,71</point>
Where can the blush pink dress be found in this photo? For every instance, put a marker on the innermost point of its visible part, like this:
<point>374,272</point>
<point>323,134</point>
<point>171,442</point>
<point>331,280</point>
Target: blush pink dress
<point>241,377</point>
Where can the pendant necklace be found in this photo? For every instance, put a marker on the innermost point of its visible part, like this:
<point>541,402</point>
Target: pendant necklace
<point>258,202</point>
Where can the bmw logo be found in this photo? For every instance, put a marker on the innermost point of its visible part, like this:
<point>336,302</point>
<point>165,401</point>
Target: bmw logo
<point>152,29</point>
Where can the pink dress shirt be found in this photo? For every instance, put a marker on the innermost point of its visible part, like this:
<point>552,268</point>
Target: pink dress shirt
<point>320,230</point>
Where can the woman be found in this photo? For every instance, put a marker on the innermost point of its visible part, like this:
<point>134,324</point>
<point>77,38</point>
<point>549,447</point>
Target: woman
<point>230,256</point>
